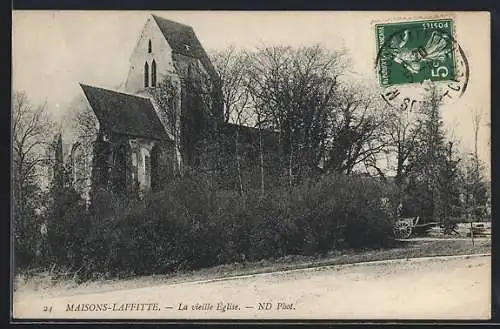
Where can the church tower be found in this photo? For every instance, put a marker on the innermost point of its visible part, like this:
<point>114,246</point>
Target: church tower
<point>169,56</point>
<point>148,132</point>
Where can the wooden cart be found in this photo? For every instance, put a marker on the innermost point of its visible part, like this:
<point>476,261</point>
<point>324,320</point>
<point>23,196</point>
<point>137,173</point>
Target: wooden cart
<point>404,228</point>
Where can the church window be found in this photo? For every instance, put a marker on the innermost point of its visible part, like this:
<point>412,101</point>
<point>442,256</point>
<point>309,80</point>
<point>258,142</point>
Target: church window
<point>150,48</point>
<point>153,74</point>
<point>146,75</point>
<point>120,168</point>
<point>147,166</point>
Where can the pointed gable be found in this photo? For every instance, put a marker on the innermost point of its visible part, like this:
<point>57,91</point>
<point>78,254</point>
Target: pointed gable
<point>125,114</point>
<point>184,41</point>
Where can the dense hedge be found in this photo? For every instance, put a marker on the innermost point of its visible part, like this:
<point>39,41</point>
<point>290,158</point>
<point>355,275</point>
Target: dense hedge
<point>194,224</point>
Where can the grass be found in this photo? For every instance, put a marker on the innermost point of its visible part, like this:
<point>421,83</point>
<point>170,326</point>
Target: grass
<point>45,284</point>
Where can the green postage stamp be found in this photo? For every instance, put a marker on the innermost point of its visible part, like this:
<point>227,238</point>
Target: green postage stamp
<point>415,51</point>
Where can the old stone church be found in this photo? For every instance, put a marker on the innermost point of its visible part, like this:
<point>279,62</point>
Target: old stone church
<point>171,96</point>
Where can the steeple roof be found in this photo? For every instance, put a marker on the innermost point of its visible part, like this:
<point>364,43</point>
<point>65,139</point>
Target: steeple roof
<point>184,41</point>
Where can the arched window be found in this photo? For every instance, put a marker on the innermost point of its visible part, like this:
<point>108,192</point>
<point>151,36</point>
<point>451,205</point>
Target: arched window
<point>153,74</point>
<point>147,170</point>
<point>120,169</point>
<point>156,173</point>
<point>147,166</point>
<point>150,48</point>
<point>146,75</point>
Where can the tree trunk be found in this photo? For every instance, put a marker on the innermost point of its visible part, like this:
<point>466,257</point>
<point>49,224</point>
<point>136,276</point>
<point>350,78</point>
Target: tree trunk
<point>290,160</point>
<point>238,165</point>
<point>399,170</point>
<point>262,190</point>
<point>290,157</point>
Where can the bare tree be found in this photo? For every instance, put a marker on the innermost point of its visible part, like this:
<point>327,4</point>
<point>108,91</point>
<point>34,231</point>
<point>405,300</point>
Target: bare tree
<point>293,89</point>
<point>85,130</point>
<point>230,65</point>
<point>32,130</point>
<point>31,135</point>
<point>356,129</point>
<point>261,75</point>
<point>476,124</point>
<point>476,199</point>
<point>297,93</point>
<point>403,132</point>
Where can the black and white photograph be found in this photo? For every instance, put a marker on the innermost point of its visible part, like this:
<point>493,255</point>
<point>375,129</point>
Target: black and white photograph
<point>251,165</point>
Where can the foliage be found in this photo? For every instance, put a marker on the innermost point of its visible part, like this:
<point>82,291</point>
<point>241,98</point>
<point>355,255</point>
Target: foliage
<point>432,188</point>
<point>475,192</point>
<point>194,224</point>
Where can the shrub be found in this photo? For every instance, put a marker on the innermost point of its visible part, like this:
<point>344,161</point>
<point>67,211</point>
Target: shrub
<point>193,223</point>
<point>67,227</point>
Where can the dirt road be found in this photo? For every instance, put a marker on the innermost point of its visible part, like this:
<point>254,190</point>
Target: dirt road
<point>438,288</point>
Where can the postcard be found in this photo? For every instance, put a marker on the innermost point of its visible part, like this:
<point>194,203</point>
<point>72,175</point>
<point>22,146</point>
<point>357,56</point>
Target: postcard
<point>251,165</point>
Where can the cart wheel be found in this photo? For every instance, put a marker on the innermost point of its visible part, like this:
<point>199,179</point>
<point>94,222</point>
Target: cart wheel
<point>402,230</point>
<point>450,228</point>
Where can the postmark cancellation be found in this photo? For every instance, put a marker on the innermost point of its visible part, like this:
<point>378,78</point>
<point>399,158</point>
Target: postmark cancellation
<point>415,55</point>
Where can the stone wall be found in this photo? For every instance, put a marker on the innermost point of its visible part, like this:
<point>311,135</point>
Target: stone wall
<point>126,165</point>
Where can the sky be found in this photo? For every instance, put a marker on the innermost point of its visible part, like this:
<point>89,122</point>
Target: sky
<point>53,51</point>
